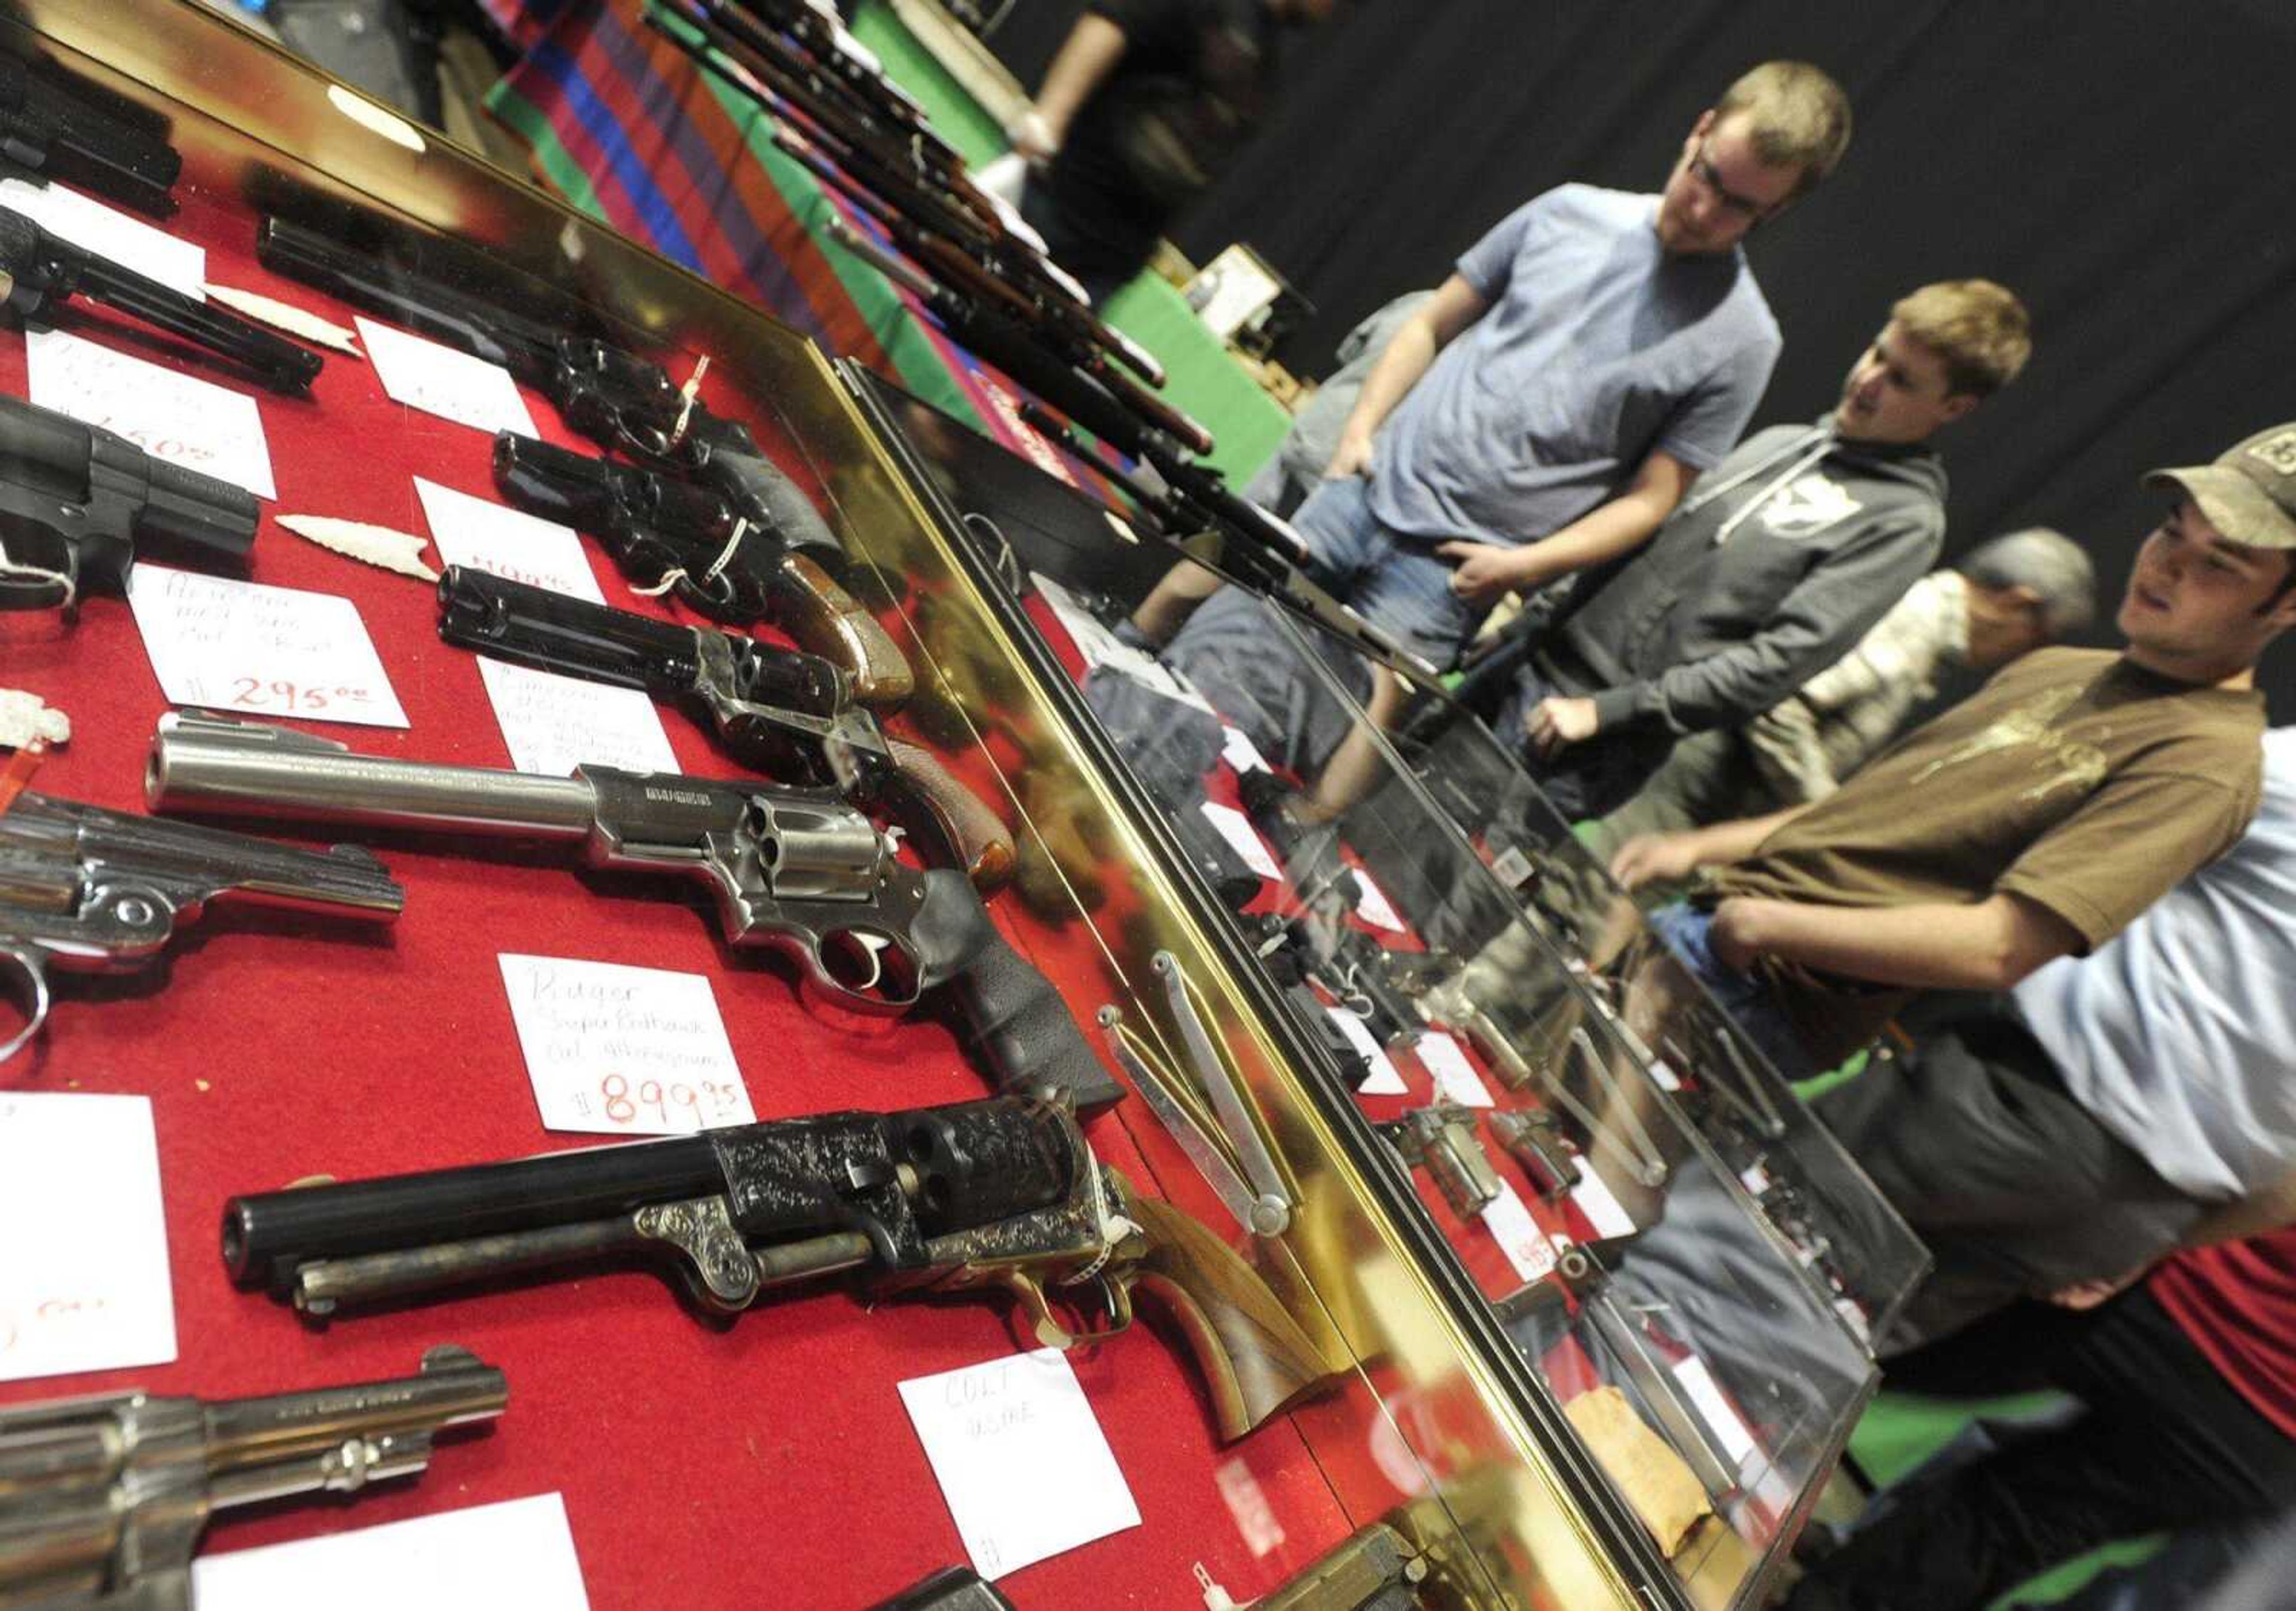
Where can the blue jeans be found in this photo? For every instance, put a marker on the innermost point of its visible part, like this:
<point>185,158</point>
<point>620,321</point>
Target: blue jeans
<point>1394,581</point>
<point>1687,933</point>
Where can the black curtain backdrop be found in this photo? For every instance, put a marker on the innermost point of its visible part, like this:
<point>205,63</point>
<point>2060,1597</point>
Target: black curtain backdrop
<point>2128,166</point>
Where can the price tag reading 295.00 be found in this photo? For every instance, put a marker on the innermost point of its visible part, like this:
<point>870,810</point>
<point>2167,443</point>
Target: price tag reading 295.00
<point>285,696</point>
<point>277,651</point>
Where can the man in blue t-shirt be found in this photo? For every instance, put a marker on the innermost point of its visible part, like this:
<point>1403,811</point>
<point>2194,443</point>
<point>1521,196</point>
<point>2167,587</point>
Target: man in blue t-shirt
<point>1549,407</point>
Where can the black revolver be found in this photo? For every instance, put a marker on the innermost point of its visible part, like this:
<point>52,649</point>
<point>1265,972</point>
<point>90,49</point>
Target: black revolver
<point>41,272</point>
<point>797,871</point>
<point>1002,1191</point>
<point>75,501</point>
<point>739,547</point>
<point>787,712</point>
<point>610,396</point>
<point>93,891</point>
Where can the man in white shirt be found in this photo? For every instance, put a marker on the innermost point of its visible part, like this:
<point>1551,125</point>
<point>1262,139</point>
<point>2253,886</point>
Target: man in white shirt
<point>2111,1107</point>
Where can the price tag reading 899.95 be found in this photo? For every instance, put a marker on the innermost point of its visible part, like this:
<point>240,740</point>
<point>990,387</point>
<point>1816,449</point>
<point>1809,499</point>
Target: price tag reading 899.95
<point>619,1050</point>
<point>651,1105</point>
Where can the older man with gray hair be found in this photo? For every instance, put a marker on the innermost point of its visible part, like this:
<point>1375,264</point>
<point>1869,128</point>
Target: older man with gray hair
<point>2015,593</point>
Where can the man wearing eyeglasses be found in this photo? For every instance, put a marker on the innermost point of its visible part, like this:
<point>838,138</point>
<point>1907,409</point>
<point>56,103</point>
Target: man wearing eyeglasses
<point>1549,406</point>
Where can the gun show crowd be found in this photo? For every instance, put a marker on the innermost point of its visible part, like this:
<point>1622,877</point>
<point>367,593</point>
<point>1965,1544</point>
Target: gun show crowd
<point>2070,899</point>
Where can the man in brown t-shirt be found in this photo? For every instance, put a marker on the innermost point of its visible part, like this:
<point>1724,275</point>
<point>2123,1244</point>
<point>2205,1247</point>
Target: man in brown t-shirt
<point>2029,822</point>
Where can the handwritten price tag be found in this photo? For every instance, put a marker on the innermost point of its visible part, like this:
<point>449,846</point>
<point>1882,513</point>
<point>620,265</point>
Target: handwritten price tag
<point>271,651</point>
<point>1455,1077</point>
<point>616,1050</point>
<point>519,1552</point>
<point>98,1296</point>
<point>1507,1217</point>
<point>179,419</point>
<point>1024,1466</point>
<point>439,380</point>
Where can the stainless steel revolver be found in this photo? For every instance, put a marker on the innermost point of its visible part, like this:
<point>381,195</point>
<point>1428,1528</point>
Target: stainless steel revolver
<point>87,890</point>
<point>102,1499</point>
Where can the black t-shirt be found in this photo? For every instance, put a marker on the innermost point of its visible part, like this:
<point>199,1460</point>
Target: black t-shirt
<point>1181,99</point>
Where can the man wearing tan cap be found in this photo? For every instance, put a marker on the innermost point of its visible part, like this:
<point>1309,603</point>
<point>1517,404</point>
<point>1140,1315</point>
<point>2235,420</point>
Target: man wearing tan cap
<point>2033,821</point>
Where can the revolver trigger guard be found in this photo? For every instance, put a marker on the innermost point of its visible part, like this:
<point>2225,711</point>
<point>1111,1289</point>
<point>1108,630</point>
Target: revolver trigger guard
<point>26,982</point>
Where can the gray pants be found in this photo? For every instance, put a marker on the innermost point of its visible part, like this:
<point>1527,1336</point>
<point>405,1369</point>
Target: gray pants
<point>2016,1189</point>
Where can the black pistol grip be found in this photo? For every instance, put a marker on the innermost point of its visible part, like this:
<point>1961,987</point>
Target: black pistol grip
<point>1008,1012</point>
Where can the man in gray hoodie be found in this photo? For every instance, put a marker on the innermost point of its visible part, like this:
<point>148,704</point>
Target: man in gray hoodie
<point>1773,569</point>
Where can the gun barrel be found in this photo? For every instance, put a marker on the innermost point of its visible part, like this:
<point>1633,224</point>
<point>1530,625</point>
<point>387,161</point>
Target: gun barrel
<point>267,1235</point>
<point>454,1388</point>
<point>340,878</point>
<point>102,1493</point>
<point>550,632</point>
<point>40,269</point>
<point>253,769</point>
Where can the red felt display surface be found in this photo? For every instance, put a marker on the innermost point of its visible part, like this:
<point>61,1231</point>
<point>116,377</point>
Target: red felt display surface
<point>767,1462</point>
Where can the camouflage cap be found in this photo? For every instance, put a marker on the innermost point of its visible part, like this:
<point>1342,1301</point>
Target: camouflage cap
<point>2249,493</point>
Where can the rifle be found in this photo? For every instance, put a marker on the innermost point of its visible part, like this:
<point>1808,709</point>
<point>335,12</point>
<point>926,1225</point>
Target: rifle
<point>1191,505</point>
<point>76,499</point>
<point>883,171</point>
<point>1031,290</point>
<point>39,272</point>
<point>1104,403</point>
<point>1002,1190</point>
<point>748,547</point>
<point>785,712</point>
<point>102,1499</point>
<point>793,870</point>
<point>48,133</point>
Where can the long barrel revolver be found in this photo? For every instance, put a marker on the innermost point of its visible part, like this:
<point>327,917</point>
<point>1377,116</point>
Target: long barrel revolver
<point>610,396</point>
<point>102,1499</point>
<point>39,272</point>
<point>740,543</point>
<point>796,870</point>
<point>75,500</point>
<point>89,890</point>
<point>1000,1192</point>
<point>785,712</point>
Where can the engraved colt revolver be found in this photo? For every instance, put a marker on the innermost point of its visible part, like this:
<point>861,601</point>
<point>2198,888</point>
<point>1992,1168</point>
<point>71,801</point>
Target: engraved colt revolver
<point>1001,1191</point>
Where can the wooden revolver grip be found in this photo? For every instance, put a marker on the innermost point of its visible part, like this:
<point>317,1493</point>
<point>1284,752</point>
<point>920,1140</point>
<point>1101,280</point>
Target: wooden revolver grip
<point>1254,1356</point>
<point>826,620</point>
<point>974,834</point>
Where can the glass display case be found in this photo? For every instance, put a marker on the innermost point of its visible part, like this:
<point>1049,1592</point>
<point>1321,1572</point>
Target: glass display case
<point>1454,1293</point>
<point>1864,1257</point>
<point>1504,1095</point>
